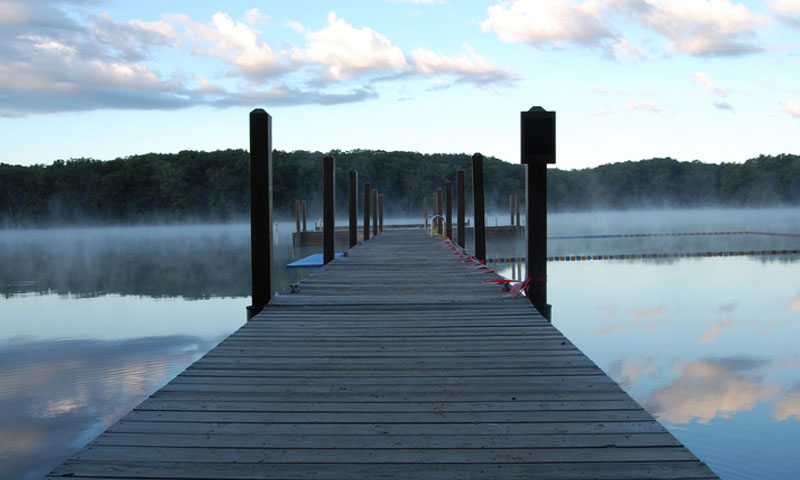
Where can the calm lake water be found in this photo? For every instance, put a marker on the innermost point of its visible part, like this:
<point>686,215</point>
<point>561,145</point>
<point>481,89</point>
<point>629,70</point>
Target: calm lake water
<point>92,321</point>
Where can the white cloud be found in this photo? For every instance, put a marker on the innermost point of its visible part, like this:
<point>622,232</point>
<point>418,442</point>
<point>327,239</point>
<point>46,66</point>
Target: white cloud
<point>52,61</point>
<point>470,66</point>
<point>345,51</point>
<point>792,6</point>
<point>644,106</point>
<point>234,42</point>
<point>416,1</point>
<point>787,10</point>
<point>134,40</point>
<point>12,14</point>
<point>622,48</point>
<point>792,108</point>
<point>724,106</point>
<point>554,22</point>
<point>702,27</point>
<point>254,17</point>
<point>605,91</point>
<point>709,85</point>
<point>696,27</point>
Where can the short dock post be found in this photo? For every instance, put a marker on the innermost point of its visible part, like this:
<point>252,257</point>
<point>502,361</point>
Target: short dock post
<point>425,210</point>
<point>439,198</point>
<point>261,249</point>
<point>380,212</point>
<point>353,204</point>
<point>478,207</point>
<point>448,208</point>
<point>460,214</point>
<point>538,148</point>
<point>297,215</point>
<point>367,191</point>
<point>328,209</point>
<point>434,220</point>
<point>304,215</point>
<point>374,212</point>
<point>511,208</point>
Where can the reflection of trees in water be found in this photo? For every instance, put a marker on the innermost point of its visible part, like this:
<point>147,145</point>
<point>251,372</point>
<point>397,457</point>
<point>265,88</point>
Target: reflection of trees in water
<point>196,261</point>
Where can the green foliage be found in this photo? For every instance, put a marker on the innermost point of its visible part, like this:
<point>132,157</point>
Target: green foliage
<point>204,186</point>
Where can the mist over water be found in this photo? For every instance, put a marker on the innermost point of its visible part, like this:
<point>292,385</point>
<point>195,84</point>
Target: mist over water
<point>96,319</point>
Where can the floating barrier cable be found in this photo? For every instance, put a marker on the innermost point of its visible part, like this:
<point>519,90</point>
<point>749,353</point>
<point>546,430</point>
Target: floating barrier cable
<point>677,234</point>
<point>648,256</point>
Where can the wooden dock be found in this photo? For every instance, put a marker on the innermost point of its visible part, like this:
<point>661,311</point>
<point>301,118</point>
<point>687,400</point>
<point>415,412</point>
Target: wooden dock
<point>396,361</point>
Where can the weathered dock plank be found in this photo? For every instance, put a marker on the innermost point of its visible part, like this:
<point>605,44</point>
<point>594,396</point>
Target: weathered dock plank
<point>396,361</point>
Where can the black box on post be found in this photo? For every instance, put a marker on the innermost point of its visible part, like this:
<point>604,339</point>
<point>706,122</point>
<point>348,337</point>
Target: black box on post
<point>538,136</point>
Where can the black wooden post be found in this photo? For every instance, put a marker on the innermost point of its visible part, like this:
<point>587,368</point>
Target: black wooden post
<point>511,208</point>
<point>297,215</point>
<point>374,212</point>
<point>538,148</point>
<point>478,207</point>
<point>260,209</point>
<point>353,204</point>
<point>448,208</point>
<point>516,207</point>
<point>328,209</point>
<point>460,209</point>
<point>380,212</point>
<point>367,193</point>
<point>305,212</point>
<point>425,210</point>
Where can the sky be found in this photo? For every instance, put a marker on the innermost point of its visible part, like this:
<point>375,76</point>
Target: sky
<point>709,80</point>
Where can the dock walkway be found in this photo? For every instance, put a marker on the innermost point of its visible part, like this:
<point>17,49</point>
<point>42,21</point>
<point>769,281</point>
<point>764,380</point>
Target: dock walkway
<point>397,361</point>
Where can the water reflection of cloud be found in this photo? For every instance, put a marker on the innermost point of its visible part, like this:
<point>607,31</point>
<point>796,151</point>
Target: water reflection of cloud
<point>794,303</point>
<point>628,371</point>
<point>710,388</point>
<point>788,408</point>
<point>608,311</point>
<point>715,329</point>
<point>609,330</point>
<point>58,395</point>
<point>728,308</point>
<point>641,313</point>
<point>637,315</point>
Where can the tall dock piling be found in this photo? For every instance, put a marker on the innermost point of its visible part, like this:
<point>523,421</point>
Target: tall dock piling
<point>374,212</point>
<point>478,207</point>
<point>380,213</point>
<point>448,208</point>
<point>352,203</point>
<point>261,249</point>
<point>367,193</point>
<point>328,208</point>
<point>538,148</point>
<point>461,204</point>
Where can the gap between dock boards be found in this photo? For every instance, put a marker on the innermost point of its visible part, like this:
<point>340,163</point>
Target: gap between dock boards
<point>396,361</point>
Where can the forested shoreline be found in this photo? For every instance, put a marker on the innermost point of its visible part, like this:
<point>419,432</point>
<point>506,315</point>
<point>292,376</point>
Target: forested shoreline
<point>214,186</point>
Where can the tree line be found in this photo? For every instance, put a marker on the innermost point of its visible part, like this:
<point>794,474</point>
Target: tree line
<point>214,186</point>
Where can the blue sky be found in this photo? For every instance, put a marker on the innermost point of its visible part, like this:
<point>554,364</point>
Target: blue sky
<point>712,80</point>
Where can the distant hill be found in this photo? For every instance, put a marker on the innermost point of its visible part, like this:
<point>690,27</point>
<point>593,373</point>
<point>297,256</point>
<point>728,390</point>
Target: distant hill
<point>214,186</point>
